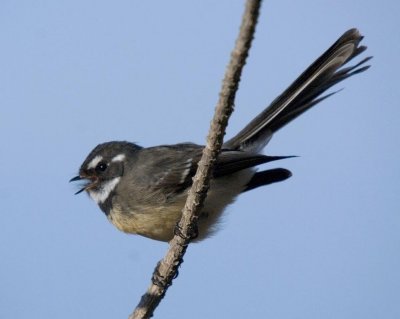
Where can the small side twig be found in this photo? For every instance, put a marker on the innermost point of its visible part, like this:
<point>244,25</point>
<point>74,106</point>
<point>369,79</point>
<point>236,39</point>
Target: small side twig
<point>167,268</point>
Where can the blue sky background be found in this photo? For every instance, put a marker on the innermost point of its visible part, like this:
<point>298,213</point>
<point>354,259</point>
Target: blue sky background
<point>324,244</point>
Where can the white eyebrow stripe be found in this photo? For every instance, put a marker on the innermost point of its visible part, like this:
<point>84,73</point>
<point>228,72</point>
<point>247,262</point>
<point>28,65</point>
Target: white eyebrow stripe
<point>93,163</point>
<point>118,158</point>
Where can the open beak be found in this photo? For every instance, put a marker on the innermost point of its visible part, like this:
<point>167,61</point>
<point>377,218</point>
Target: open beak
<point>78,178</point>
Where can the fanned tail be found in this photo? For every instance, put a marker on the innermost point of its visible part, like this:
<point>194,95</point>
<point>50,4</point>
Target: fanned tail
<point>303,93</point>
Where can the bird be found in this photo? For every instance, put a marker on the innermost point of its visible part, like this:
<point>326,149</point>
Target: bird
<point>142,190</point>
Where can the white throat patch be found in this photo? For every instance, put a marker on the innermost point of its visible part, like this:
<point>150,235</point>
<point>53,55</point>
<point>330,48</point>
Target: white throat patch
<point>99,196</point>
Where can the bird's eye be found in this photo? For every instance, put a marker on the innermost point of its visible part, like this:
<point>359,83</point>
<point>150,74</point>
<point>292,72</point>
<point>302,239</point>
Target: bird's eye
<point>101,167</point>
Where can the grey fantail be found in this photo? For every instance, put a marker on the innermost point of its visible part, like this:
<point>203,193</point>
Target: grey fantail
<point>143,190</point>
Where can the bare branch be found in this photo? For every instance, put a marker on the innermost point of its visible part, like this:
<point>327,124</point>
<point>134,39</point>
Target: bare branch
<point>186,230</point>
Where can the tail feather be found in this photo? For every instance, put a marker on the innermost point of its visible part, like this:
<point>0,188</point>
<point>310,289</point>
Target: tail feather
<point>304,92</point>
<point>267,177</point>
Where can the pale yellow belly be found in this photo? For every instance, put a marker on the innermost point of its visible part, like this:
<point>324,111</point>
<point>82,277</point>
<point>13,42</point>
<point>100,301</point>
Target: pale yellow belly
<point>159,222</point>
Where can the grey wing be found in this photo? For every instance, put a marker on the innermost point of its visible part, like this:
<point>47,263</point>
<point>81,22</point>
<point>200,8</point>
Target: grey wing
<point>170,169</point>
<point>231,161</point>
